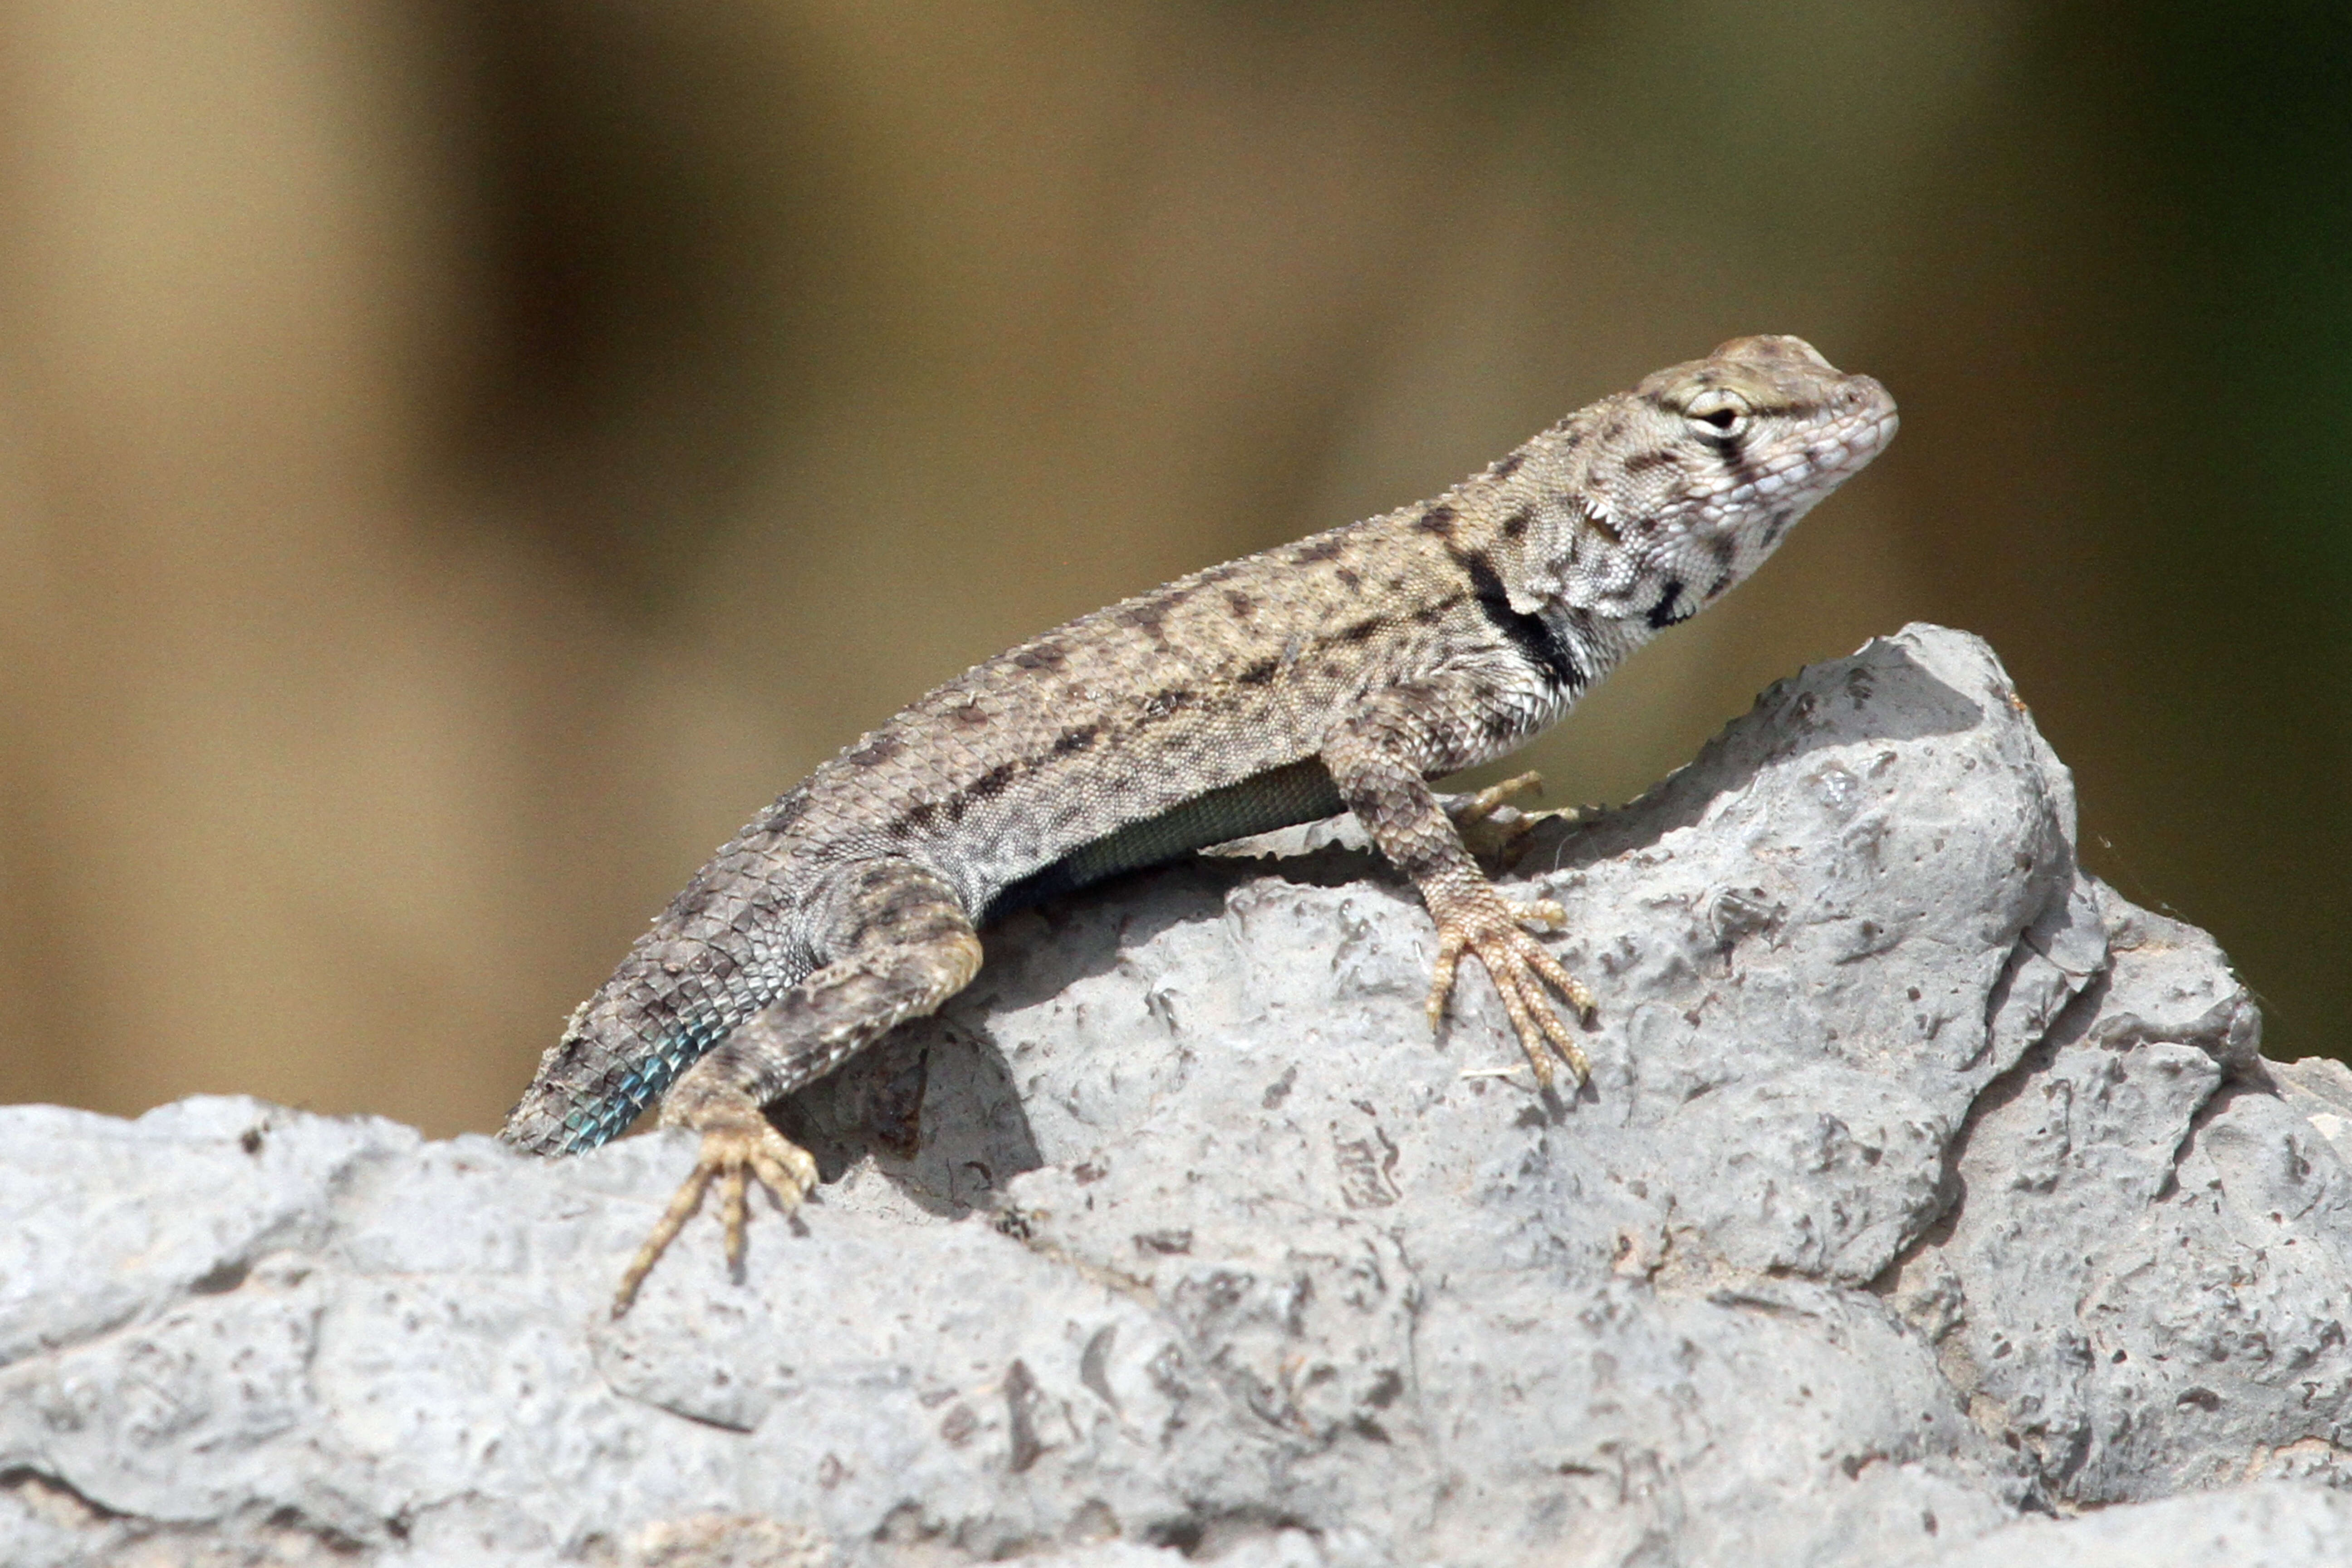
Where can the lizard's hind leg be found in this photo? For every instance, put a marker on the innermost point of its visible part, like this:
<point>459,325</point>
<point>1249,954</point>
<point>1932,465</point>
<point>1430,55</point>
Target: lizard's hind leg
<point>901,944</point>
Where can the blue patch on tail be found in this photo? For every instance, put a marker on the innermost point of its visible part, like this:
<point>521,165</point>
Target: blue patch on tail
<point>591,1126</point>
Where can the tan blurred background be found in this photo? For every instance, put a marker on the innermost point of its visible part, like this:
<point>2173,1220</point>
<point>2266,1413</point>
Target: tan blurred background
<point>456,461</point>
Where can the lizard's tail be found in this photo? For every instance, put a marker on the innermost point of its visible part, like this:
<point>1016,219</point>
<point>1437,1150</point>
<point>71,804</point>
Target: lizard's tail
<point>620,1050</point>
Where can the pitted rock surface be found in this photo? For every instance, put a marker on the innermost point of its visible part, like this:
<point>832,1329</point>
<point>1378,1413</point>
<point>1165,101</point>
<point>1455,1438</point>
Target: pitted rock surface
<point>1925,1193</point>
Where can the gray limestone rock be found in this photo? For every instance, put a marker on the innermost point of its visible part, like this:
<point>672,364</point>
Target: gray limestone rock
<point>1923,1186</point>
<point>2271,1524</point>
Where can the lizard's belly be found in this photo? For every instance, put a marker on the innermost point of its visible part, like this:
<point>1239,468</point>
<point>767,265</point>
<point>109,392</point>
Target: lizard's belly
<point>1281,797</point>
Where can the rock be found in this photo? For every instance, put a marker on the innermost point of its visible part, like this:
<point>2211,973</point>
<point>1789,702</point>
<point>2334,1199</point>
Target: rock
<point>1923,1185</point>
<point>2274,1524</point>
<point>2140,1283</point>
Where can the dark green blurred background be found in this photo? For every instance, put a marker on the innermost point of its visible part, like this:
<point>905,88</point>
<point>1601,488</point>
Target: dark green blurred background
<point>457,461</point>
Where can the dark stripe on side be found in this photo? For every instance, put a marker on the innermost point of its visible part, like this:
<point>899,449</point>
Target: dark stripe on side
<point>1661,614</point>
<point>1527,633</point>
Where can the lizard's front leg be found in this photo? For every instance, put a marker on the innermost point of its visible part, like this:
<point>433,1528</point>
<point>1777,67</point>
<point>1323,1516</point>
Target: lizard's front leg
<point>1377,760</point>
<point>902,943</point>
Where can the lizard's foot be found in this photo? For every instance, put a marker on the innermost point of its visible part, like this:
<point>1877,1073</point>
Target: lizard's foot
<point>1493,930</point>
<point>1487,835</point>
<point>738,1144</point>
<point>1493,821</point>
<point>1478,808</point>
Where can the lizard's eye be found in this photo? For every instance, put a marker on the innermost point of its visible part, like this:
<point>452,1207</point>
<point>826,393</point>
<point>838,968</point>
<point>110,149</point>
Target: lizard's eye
<point>1723,412</point>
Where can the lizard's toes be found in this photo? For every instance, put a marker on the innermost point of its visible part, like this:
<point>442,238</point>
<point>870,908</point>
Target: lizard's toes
<point>738,1148</point>
<point>1495,931</point>
<point>1540,914</point>
<point>1510,792</point>
<point>1495,821</point>
<point>784,1168</point>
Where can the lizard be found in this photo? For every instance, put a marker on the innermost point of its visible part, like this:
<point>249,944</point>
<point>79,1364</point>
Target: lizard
<point>1341,672</point>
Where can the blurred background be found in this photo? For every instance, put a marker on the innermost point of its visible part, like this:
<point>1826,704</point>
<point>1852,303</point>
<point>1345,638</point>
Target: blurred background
<point>458,460</point>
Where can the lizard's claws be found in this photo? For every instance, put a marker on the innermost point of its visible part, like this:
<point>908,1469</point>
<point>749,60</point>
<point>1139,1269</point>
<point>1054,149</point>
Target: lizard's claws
<point>1493,821</point>
<point>738,1144</point>
<point>1493,930</point>
<point>1478,808</point>
<point>1487,837</point>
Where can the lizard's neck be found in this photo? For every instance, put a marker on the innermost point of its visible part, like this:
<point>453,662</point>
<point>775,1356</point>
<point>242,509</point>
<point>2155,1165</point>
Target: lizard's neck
<point>1565,554</point>
<point>1598,643</point>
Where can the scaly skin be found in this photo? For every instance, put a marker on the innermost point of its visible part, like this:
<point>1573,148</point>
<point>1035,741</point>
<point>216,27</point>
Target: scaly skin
<point>1343,672</point>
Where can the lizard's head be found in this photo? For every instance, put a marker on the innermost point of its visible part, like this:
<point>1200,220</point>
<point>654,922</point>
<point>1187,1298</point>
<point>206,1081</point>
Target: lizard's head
<point>1692,478</point>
